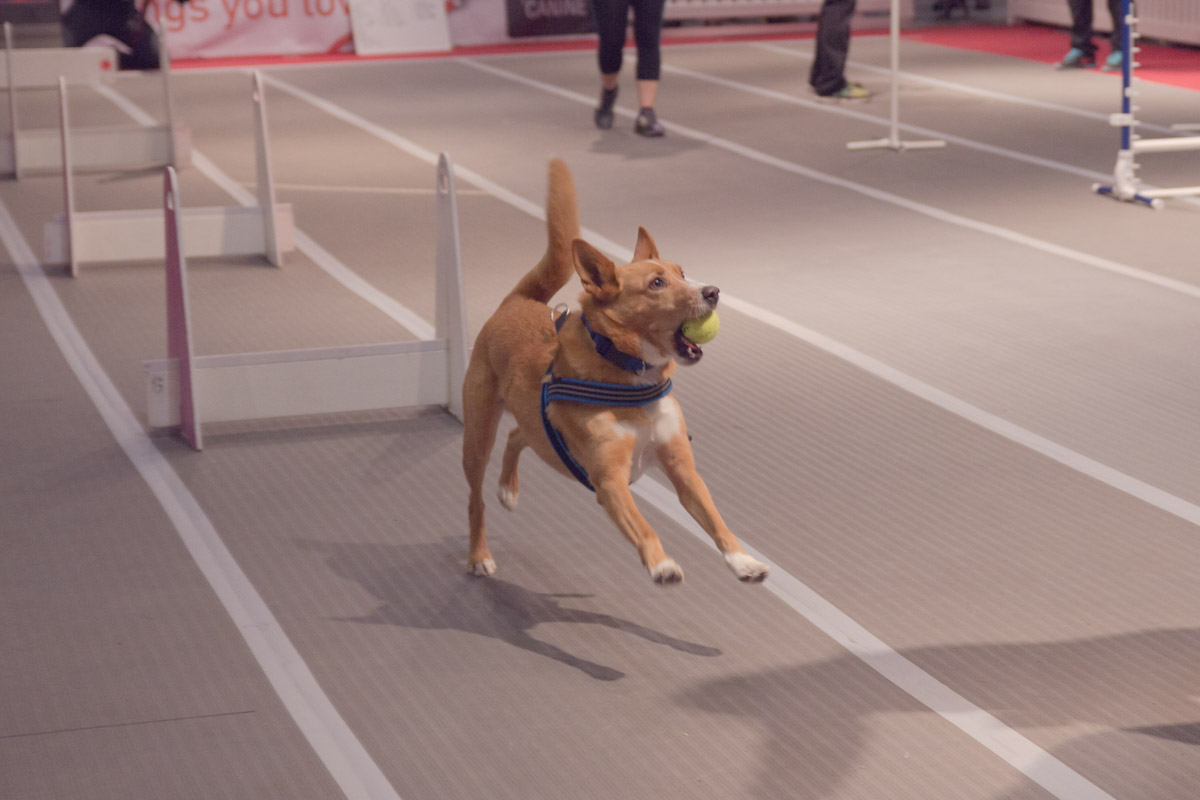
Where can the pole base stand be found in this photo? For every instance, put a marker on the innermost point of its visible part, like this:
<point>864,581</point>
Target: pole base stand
<point>1136,197</point>
<point>895,144</point>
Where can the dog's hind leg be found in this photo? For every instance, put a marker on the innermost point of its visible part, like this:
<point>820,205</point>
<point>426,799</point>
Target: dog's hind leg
<point>509,487</point>
<point>482,408</point>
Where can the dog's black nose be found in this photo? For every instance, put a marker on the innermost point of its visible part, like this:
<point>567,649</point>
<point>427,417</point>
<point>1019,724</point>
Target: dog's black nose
<point>710,294</point>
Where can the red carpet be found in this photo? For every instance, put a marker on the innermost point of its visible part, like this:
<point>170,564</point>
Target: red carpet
<point>1176,66</point>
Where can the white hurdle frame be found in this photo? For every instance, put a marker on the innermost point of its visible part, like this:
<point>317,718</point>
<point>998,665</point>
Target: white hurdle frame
<point>184,389</point>
<point>893,140</point>
<point>1126,185</point>
<point>133,235</point>
<point>95,148</point>
<point>41,67</point>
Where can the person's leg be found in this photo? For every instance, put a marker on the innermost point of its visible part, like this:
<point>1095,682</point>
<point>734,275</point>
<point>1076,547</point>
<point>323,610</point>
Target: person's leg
<point>611,20</point>
<point>1081,27</point>
<point>647,93</point>
<point>1116,58</point>
<point>647,35</point>
<point>82,23</point>
<point>1117,40</point>
<point>828,74</point>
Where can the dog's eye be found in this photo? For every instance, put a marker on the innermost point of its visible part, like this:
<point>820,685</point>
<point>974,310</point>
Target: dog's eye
<point>658,283</point>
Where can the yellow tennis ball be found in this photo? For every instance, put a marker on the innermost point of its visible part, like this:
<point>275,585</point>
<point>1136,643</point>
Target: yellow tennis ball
<point>702,329</point>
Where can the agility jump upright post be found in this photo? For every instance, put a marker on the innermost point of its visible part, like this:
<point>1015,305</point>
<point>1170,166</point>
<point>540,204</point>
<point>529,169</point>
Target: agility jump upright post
<point>893,140</point>
<point>1126,185</point>
<point>184,389</point>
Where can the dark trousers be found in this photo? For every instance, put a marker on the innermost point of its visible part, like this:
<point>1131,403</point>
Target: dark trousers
<point>121,20</point>
<point>1081,25</point>
<point>828,73</point>
<point>612,20</point>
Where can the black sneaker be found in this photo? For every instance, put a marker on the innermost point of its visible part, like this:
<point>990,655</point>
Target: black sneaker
<point>647,124</point>
<point>604,114</point>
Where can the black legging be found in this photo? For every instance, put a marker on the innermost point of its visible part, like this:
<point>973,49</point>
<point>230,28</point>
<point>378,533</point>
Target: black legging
<point>120,19</point>
<point>612,17</point>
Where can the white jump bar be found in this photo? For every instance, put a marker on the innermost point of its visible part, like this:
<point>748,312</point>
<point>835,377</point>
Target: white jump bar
<point>1175,191</point>
<point>41,67</point>
<point>292,382</point>
<point>122,147</point>
<point>136,235</point>
<point>1166,144</point>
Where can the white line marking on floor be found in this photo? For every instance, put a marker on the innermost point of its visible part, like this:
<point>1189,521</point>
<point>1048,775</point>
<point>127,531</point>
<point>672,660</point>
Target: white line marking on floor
<point>923,209</point>
<point>965,89</point>
<point>851,113</point>
<point>1103,177</point>
<point>461,173</point>
<point>1031,760</point>
<point>351,767</point>
<point>400,190</point>
<point>1165,501</point>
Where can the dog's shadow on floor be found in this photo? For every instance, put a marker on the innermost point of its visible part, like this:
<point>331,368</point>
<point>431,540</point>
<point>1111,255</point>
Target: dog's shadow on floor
<point>425,586</point>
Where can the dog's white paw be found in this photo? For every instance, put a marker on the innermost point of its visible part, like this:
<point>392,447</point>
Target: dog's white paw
<point>483,568</point>
<point>508,498</point>
<point>667,573</point>
<point>747,569</point>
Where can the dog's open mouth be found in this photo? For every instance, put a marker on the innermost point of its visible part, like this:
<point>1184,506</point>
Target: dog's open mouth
<point>688,351</point>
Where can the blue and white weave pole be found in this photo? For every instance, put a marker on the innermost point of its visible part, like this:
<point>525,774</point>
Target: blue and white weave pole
<point>1125,184</point>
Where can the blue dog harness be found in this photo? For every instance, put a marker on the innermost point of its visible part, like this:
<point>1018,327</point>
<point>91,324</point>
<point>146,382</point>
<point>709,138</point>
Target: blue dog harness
<point>595,393</point>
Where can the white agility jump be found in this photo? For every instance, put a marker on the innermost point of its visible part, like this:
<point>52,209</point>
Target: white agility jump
<point>133,235</point>
<point>112,147</point>
<point>1126,185</point>
<point>185,389</point>
<point>41,67</point>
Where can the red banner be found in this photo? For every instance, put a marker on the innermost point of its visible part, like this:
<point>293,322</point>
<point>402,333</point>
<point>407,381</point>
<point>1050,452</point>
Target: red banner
<point>228,28</point>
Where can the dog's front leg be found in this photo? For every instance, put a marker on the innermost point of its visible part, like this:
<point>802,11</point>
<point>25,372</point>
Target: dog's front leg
<point>677,461</point>
<point>611,480</point>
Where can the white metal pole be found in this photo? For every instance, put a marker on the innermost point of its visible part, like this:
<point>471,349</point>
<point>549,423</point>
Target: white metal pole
<point>164,68</point>
<point>12,98</point>
<point>893,141</point>
<point>64,121</point>
<point>894,36</point>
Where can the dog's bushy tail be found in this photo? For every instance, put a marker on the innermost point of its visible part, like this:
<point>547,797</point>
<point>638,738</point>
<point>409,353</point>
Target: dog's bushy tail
<point>562,228</point>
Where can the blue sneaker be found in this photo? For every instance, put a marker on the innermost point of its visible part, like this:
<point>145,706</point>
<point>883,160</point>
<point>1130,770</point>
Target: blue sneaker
<point>1076,59</point>
<point>1114,61</point>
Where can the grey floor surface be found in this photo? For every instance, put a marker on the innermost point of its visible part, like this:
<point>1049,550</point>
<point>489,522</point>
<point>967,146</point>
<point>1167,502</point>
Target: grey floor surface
<point>953,402</point>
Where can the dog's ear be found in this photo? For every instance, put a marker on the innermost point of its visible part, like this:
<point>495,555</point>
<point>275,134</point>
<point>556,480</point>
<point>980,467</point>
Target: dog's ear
<point>599,275</point>
<point>645,248</point>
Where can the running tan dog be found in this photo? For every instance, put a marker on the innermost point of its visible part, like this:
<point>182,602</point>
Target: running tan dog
<point>591,391</point>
